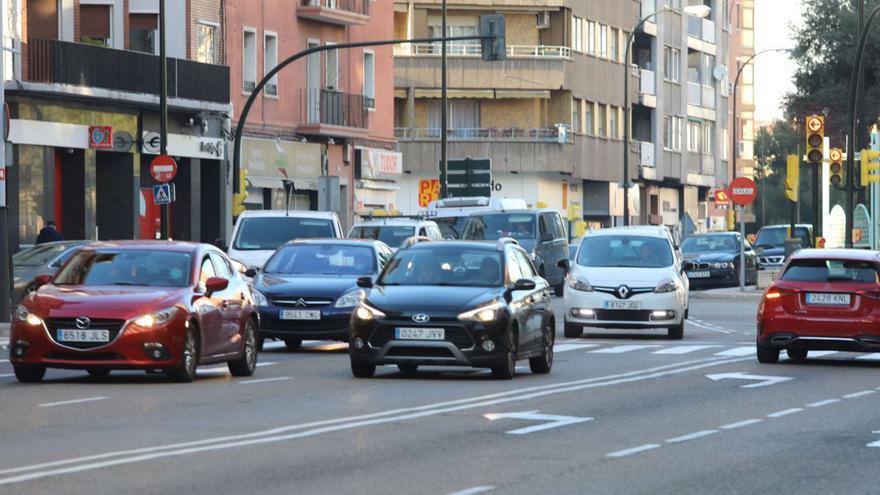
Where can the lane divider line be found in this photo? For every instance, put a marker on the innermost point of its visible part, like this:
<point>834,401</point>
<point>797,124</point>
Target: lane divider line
<point>264,380</point>
<point>740,424</point>
<point>74,401</point>
<point>634,450</point>
<point>785,412</point>
<point>823,403</point>
<point>691,436</point>
<point>474,490</point>
<point>856,395</point>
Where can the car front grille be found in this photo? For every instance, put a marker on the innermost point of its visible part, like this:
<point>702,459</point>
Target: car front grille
<point>624,316</point>
<point>75,356</point>
<point>701,265</point>
<point>300,302</point>
<point>456,335</point>
<point>113,326</point>
<point>420,352</point>
<point>771,260</point>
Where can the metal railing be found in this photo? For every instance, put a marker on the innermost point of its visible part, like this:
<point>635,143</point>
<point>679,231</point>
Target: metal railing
<point>361,7</point>
<point>331,107</point>
<point>647,82</point>
<point>512,134</point>
<point>475,50</point>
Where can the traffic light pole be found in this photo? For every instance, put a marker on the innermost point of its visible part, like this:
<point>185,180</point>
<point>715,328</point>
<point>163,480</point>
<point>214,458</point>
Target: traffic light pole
<point>444,112</point>
<point>163,110</point>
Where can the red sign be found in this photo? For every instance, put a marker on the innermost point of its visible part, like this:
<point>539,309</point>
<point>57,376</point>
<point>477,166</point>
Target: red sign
<point>429,190</point>
<point>163,168</point>
<point>101,137</point>
<point>742,191</point>
<point>722,200</point>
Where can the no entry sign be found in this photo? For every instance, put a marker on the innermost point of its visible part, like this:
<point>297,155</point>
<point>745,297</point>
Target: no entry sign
<point>163,168</point>
<point>743,191</point>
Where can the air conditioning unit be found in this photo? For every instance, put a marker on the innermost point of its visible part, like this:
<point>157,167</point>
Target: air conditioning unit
<point>346,153</point>
<point>543,21</point>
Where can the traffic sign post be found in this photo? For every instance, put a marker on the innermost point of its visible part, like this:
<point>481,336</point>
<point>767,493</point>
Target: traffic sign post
<point>163,194</point>
<point>163,168</point>
<point>742,192</point>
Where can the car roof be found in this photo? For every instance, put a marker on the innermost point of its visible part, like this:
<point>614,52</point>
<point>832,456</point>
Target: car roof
<point>517,211</point>
<point>641,230</point>
<point>338,242</point>
<point>487,245</point>
<point>837,254</point>
<point>292,213</point>
<point>712,234</point>
<point>177,246</point>
<point>786,225</point>
<point>392,221</point>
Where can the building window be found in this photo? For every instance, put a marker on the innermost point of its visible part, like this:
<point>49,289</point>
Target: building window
<point>708,69</point>
<point>249,60</point>
<point>96,26</point>
<point>143,33</point>
<point>725,138</point>
<point>603,41</point>
<point>206,51</point>
<point>612,123</point>
<point>577,34</point>
<point>675,4</point>
<point>603,120</point>
<point>591,37</point>
<point>576,115</point>
<point>588,118</point>
<point>369,79</point>
<point>695,130</point>
<point>671,63</point>
<point>613,44</point>
<point>331,69</point>
<point>725,9</point>
<point>270,60</point>
<point>672,133</point>
<point>708,138</point>
<point>464,115</point>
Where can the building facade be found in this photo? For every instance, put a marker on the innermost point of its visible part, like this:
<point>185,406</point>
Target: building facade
<point>82,92</point>
<point>742,47</point>
<point>329,114</point>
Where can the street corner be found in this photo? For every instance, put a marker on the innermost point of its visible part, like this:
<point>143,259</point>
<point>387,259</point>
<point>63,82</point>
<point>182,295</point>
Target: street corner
<point>728,294</point>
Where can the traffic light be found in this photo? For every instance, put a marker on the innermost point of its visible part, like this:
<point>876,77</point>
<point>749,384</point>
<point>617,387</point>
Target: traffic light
<point>494,48</point>
<point>815,138</point>
<point>835,155</point>
<point>793,178</point>
<point>870,167</point>
<point>238,199</point>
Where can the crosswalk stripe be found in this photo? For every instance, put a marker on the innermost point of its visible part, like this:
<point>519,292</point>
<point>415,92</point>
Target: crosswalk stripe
<point>572,347</point>
<point>738,351</point>
<point>684,349</point>
<point>622,348</point>
<point>875,356</point>
<point>815,354</point>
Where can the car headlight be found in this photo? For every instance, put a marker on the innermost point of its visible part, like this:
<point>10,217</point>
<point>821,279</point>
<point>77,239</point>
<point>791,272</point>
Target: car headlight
<point>579,284</point>
<point>260,299</point>
<point>666,286</point>
<point>483,314</point>
<point>23,314</point>
<point>366,312</point>
<point>350,300</point>
<point>150,320</point>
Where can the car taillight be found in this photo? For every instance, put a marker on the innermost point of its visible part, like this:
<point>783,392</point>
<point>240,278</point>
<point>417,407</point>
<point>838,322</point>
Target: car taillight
<point>772,294</point>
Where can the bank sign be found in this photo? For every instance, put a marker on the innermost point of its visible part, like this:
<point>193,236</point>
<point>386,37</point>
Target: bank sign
<point>375,163</point>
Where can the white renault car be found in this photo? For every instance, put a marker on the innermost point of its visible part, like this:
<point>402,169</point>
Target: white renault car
<point>626,278</point>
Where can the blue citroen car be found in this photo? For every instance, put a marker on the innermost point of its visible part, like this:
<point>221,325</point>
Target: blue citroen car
<point>308,288</point>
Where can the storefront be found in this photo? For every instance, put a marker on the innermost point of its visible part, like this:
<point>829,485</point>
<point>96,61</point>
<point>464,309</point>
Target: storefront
<point>268,164</point>
<point>377,173</point>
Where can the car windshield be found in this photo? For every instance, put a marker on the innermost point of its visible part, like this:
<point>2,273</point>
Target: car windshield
<point>267,233</point>
<point>445,265</point>
<point>39,255</point>
<point>775,236</point>
<point>322,259</point>
<point>494,226</point>
<point>710,244</point>
<point>612,251</point>
<point>451,227</point>
<point>393,235</point>
<point>129,267</point>
<point>831,271</point>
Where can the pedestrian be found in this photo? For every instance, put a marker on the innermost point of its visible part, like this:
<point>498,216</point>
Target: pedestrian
<point>49,234</point>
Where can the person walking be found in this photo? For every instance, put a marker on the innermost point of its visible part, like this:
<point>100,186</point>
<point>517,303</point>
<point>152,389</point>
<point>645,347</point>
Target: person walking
<point>49,233</point>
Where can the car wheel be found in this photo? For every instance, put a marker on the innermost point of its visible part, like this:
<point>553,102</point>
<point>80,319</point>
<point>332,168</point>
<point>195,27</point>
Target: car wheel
<point>767,354</point>
<point>185,372</point>
<point>98,372</point>
<point>573,330</point>
<point>507,370</point>
<point>29,374</point>
<point>408,367</point>
<point>260,342</point>
<point>362,370</point>
<point>676,332</point>
<point>797,355</point>
<point>247,363</point>
<point>559,290</point>
<point>293,344</point>
<point>542,364</point>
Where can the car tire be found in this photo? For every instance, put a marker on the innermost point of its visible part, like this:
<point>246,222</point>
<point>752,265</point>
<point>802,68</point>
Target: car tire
<point>767,355</point>
<point>507,370</point>
<point>559,290</point>
<point>247,363</point>
<point>542,364</point>
<point>573,330</point>
<point>185,372</point>
<point>676,332</point>
<point>362,370</point>
<point>29,374</point>
<point>260,342</point>
<point>797,355</point>
<point>408,367</point>
<point>293,344</point>
<point>98,372</point>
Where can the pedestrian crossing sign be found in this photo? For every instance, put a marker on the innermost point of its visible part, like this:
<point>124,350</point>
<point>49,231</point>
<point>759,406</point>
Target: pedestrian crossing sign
<point>163,194</point>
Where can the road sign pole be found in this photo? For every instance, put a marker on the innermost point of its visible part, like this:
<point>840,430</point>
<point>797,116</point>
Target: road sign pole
<point>742,249</point>
<point>163,109</point>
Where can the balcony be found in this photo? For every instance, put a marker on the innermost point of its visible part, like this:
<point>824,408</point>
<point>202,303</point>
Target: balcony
<point>647,88</point>
<point>701,29</point>
<point>476,51</point>
<point>338,12</point>
<point>695,94</point>
<point>76,64</point>
<point>513,134</point>
<point>333,113</point>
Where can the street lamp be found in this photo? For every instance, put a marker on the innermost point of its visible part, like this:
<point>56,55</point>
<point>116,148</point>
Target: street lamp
<point>701,11</point>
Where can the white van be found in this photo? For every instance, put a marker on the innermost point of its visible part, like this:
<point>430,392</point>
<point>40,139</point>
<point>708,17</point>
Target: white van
<point>451,214</point>
<point>258,233</point>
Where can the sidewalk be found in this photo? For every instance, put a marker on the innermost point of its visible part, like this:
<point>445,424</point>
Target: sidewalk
<point>729,294</point>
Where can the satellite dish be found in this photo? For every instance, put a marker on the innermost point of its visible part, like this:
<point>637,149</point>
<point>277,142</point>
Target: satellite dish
<point>719,72</point>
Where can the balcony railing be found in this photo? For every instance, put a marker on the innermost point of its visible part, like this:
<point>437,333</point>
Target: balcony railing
<point>475,50</point>
<point>512,134</point>
<point>342,12</point>
<point>695,96</point>
<point>331,107</point>
<point>703,29</point>
<point>646,153</point>
<point>648,82</point>
<point>77,64</point>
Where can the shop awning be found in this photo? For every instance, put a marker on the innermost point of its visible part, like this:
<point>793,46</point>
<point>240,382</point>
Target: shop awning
<point>456,93</point>
<point>378,185</point>
<point>310,184</point>
<point>400,93</point>
<point>526,94</point>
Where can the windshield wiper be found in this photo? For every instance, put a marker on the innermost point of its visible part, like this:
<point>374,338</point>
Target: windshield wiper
<point>124,283</point>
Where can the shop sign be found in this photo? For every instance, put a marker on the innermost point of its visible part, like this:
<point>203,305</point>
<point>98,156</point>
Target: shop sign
<point>101,137</point>
<point>429,190</point>
<point>377,163</point>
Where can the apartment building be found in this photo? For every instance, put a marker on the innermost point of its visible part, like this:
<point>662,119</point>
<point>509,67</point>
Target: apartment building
<point>742,47</point>
<point>328,115</point>
<point>551,116</point>
<point>82,86</point>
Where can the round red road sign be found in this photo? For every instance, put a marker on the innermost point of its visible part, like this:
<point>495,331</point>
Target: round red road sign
<point>743,191</point>
<point>163,168</point>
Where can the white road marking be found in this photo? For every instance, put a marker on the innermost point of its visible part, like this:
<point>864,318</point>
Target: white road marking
<point>117,458</point>
<point>74,401</point>
<point>823,403</point>
<point>684,349</point>
<point>709,326</point>
<point>691,436</point>
<point>738,351</point>
<point>572,347</point>
<point>634,450</point>
<point>874,356</point>
<point>474,490</point>
<point>856,395</point>
<point>622,348</point>
<point>740,424</point>
<point>264,380</point>
<point>7,375</point>
<point>549,421</point>
<point>763,380</point>
<point>784,412</point>
<point>222,370</point>
<point>875,443</point>
<point>816,354</point>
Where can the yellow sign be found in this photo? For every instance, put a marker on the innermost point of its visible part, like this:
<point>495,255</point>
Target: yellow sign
<point>870,167</point>
<point>792,178</point>
<point>429,190</point>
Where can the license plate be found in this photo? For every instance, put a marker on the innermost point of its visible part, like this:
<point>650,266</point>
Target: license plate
<point>419,333</point>
<point>72,335</point>
<point>623,305</point>
<point>299,314</point>
<point>820,299</point>
<point>698,274</point>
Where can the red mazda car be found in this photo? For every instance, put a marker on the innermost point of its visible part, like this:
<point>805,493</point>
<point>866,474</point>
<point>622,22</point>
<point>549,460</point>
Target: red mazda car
<point>148,305</point>
<point>825,299</point>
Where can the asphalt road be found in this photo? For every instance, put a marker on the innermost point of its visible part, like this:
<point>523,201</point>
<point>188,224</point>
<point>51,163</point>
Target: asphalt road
<point>622,412</point>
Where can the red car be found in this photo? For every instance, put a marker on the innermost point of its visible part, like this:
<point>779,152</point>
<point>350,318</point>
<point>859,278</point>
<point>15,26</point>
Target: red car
<point>145,305</point>
<point>825,299</point>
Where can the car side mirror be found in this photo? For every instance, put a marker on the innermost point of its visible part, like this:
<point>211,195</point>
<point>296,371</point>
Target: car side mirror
<point>216,284</point>
<point>221,245</point>
<point>524,284</point>
<point>41,280</point>
<point>365,282</point>
<point>565,264</point>
<point>250,272</point>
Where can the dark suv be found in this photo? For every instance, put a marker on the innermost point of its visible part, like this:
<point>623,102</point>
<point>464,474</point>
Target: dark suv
<point>454,303</point>
<point>769,244</point>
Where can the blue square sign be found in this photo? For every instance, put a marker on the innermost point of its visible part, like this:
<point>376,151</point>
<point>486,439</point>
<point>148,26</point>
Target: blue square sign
<point>162,194</point>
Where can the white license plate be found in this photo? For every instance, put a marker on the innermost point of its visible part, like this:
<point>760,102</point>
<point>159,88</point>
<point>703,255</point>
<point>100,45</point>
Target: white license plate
<point>698,274</point>
<point>419,333</point>
<point>821,299</point>
<point>299,314</point>
<point>623,305</point>
<point>72,335</point>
